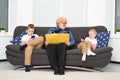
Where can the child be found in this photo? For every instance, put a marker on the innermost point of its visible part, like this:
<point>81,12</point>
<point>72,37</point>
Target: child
<point>29,42</point>
<point>89,43</point>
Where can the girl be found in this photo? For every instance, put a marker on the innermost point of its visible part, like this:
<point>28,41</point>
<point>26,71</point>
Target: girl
<point>89,43</point>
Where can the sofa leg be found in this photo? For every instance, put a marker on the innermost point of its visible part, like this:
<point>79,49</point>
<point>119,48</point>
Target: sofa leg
<point>92,68</point>
<point>19,67</point>
<point>33,67</point>
<point>86,69</point>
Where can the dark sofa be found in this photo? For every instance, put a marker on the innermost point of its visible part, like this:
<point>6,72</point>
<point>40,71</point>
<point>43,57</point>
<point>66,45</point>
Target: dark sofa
<point>73,57</point>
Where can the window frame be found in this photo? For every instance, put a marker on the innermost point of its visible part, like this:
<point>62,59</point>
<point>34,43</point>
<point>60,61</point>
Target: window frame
<point>6,7</point>
<point>116,16</point>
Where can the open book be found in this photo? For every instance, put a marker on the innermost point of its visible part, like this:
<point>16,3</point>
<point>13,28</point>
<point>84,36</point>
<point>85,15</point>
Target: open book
<point>57,38</point>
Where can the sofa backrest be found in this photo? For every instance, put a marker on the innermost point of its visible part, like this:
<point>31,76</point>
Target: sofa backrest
<point>77,31</point>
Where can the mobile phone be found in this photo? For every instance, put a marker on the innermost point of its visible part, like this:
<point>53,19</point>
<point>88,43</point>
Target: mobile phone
<point>32,37</point>
<point>83,38</point>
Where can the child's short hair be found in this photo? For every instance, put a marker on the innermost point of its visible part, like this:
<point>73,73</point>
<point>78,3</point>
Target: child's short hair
<point>30,26</point>
<point>94,30</point>
<point>61,20</point>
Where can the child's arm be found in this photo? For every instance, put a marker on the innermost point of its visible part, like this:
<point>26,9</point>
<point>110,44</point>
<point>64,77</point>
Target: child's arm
<point>23,42</point>
<point>94,46</point>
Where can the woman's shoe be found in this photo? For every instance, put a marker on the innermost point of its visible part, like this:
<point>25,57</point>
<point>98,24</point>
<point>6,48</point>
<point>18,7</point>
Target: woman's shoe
<point>61,70</point>
<point>56,70</point>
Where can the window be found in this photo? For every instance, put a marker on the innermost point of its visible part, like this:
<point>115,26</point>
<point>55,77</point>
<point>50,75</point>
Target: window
<point>4,13</point>
<point>74,10</point>
<point>117,15</point>
<point>47,11</point>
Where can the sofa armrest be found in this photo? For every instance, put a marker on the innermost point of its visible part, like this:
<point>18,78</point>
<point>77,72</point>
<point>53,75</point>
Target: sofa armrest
<point>103,50</point>
<point>13,47</point>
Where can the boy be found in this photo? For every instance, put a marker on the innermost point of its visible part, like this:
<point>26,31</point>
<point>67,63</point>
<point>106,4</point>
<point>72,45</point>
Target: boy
<point>89,43</point>
<point>29,42</point>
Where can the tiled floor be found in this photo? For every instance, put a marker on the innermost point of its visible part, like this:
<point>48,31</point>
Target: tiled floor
<point>112,67</point>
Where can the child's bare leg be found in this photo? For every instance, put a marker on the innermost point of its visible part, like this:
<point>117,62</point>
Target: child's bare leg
<point>89,52</point>
<point>84,52</point>
<point>84,57</point>
<point>83,46</point>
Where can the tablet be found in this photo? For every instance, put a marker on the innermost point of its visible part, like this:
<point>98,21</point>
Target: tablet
<point>57,38</point>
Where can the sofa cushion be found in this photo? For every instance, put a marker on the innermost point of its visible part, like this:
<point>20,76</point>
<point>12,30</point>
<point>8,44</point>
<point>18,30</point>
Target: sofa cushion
<point>102,39</point>
<point>97,51</point>
<point>16,40</point>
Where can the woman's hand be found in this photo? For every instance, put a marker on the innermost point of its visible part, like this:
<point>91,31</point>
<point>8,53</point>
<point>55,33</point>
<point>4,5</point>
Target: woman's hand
<point>67,43</point>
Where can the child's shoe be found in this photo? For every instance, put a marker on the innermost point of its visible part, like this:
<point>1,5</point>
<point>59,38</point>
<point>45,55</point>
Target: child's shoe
<point>23,47</point>
<point>27,68</point>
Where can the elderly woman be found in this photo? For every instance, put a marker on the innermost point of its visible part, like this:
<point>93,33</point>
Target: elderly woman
<point>57,52</point>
